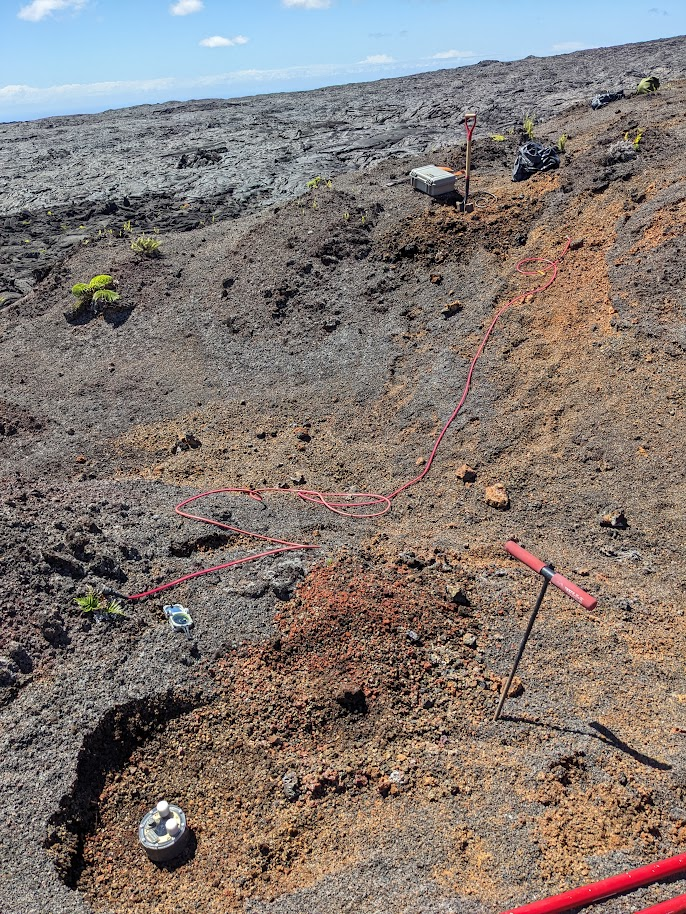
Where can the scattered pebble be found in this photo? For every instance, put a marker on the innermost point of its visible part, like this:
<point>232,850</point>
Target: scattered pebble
<point>457,595</point>
<point>451,308</point>
<point>497,496</point>
<point>615,519</point>
<point>466,473</point>
<point>290,784</point>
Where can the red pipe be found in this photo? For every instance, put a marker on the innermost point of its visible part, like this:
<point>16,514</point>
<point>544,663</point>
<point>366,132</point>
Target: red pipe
<point>673,906</point>
<point>615,885</point>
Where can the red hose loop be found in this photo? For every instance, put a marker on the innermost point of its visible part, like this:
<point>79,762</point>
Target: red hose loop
<point>351,504</point>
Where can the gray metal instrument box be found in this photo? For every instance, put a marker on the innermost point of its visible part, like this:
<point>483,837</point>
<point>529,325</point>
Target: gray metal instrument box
<point>432,180</point>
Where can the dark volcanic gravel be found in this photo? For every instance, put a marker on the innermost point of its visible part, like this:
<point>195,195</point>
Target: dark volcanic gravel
<point>328,725</point>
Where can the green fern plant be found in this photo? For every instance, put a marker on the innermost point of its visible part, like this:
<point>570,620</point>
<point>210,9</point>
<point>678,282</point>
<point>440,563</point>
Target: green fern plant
<point>90,602</point>
<point>94,602</point>
<point>146,246</point>
<point>96,294</point>
<point>107,296</point>
<point>528,126</point>
<point>497,137</point>
<point>562,142</point>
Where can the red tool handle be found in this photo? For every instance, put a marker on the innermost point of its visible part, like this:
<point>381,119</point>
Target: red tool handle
<point>571,589</point>
<point>520,553</point>
<point>574,591</point>
<point>470,124</point>
<point>615,885</point>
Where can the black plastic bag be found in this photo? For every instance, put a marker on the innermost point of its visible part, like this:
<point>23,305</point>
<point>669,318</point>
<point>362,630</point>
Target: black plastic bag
<point>605,98</point>
<point>533,157</point>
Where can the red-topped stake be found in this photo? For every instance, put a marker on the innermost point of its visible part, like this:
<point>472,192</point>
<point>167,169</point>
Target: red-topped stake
<point>550,576</point>
<point>470,124</point>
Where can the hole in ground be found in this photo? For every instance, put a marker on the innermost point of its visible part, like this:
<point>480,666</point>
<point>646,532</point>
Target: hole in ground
<point>104,754</point>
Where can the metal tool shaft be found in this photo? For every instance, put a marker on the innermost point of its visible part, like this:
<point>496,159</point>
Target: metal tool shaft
<point>532,619</point>
<point>470,124</point>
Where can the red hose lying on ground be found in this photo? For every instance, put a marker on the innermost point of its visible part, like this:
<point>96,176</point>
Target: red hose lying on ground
<point>615,885</point>
<point>345,503</point>
<point>673,906</point>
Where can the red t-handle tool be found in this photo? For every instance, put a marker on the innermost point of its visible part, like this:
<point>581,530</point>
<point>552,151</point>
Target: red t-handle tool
<point>550,576</point>
<point>576,593</point>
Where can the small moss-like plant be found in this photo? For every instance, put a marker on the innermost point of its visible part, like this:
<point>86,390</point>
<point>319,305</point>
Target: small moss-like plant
<point>528,126</point>
<point>313,186</point>
<point>97,603</point>
<point>562,142</point>
<point>96,294</point>
<point>146,246</point>
<point>498,137</point>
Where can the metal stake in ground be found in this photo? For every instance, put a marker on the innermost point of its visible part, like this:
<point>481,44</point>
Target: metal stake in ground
<point>550,576</point>
<point>470,124</point>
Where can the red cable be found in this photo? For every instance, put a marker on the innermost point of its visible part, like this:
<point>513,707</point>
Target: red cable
<point>349,504</point>
<point>614,885</point>
<point>673,906</point>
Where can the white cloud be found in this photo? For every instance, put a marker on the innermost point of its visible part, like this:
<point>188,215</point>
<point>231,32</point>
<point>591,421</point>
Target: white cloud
<point>184,7</point>
<point>568,46</point>
<point>378,58</point>
<point>308,4</point>
<point>79,96</point>
<point>217,41</point>
<point>452,54</point>
<point>39,9</point>
<point>19,94</point>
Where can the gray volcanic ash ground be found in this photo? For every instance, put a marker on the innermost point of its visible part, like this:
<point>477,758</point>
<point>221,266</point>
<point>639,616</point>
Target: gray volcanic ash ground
<point>328,728</point>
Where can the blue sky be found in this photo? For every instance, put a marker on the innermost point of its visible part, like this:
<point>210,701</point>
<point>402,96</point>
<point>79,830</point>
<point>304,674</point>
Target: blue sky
<point>75,56</point>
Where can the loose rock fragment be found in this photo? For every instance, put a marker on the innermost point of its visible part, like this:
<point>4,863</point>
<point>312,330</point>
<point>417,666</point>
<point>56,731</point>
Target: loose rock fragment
<point>466,473</point>
<point>516,687</point>
<point>457,595</point>
<point>411,560</point>
<point>615,519</point>
<point>290,784</point>
<point>451,308</point>
<point>351,698</point>
<point>186,442</point>
<point>497,496</point>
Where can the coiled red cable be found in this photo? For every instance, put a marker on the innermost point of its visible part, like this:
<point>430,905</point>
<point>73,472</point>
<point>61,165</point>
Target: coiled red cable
<point>349,504</point>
